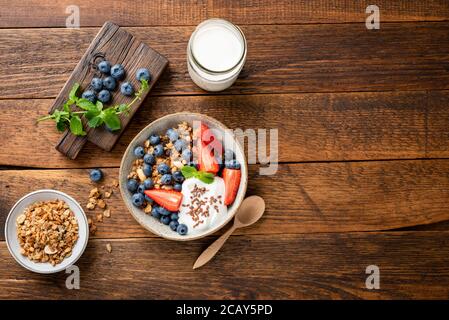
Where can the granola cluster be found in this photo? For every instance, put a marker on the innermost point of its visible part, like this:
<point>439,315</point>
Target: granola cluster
<point>98,199</point>
<point>47,231</point>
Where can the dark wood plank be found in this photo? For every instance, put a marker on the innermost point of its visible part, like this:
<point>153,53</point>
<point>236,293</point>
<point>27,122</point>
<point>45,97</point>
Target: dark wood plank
<point>35,13</point>
<point>311,127</point>
<point>413,265</point>
<point>324,11</point>
<point>300,198</point>
<point>281,59</point>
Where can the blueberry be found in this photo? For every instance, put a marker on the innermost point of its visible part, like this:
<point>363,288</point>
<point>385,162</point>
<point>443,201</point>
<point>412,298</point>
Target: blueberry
<point>109,83</point>
<point>172,134</point>
<point>143,73</point>
<point>173,225</point>
<point>155,212</point>
<point>158,150</point>
<point>147,170</point>
<point>141,188</point>
<point>138,199</point>
<point>167,179</point>
<point>174,216</point>
<point>154,139</point>
<point>187,154</point>
<point>165,220</point>
<point>232,164</point>
<point>132,185</point>
<point>127,89</point>
<point>96,175</point>
<point>89,95</point>
<point>164,211</point>
<point>148,183</point>
<point>177,176</point>
<point>228,154</point>
<point>180,145</point>
<point>163,168</point>
<point>149,159</point>
<point>96,84</point>
<point>148,199</point>
<point>104,96</point>
<point>117,71</point>
<point>182,229</point>
<point>177,187</point>
<point>139,151</point>
<point>104,67</point>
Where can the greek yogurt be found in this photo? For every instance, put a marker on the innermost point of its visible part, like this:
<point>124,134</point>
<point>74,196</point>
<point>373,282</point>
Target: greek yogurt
<point>203,205</point>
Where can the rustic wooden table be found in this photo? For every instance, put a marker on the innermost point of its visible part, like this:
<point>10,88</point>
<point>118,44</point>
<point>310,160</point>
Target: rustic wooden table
<point>363,119</point>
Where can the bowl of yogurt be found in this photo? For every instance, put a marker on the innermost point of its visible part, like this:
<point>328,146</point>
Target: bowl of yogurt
<point>184,176</point>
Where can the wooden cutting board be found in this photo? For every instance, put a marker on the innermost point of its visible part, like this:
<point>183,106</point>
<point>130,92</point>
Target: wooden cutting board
<point>116,45</point>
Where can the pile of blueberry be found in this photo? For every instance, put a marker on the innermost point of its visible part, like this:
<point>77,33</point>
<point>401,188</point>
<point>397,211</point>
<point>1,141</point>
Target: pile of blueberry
<point>168,178</point>
<point>100,88</point>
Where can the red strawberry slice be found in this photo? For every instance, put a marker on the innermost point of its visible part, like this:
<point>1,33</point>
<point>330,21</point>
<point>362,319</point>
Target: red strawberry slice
<point>169,199</point>
<point>207,160</point>
<point>205,135</point>
<point>231,179</point>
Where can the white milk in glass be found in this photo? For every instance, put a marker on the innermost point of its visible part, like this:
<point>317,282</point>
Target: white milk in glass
<point>216,54</point>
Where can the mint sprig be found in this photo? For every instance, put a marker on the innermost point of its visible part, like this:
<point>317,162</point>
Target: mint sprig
<point>95,114</point>
<point>191,172</point>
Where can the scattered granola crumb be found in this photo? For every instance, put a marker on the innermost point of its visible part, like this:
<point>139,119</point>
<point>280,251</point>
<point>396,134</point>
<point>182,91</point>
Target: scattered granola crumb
<point>115,183</point>
<point>99,217</point>
<point>109,247</point>
<point>107,213</point>
<point>101,204</point>
<point>107,194</point>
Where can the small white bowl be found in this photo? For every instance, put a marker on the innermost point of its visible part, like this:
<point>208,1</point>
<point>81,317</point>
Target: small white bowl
<point>11,232</point>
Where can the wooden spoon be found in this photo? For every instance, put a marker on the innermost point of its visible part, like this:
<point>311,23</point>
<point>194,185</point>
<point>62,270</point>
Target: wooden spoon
<point>251,209</point>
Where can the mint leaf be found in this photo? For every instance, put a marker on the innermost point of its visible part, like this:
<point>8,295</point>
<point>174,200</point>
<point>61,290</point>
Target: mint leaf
<point>99,105</point>
<point>86,104</point>
<point>206,177</point>
<point>111,119</point>
<point>76,126</point>
<point>92,113</point>
<point>188,172</point>
<point>95,122</point>
<point>72,94</point>
<point>61,125</point>
<point>66,107</point>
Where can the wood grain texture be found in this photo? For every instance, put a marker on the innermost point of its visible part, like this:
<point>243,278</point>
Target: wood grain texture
<point>413,265</point>
<point>118,46</point>
<point>281,59</point>
<point>311,127</point>
<point>300,198</point>
<point>33,13</point>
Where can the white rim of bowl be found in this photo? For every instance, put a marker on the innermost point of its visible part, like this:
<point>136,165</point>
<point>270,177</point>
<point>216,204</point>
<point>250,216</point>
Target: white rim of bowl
<point>56,268</point>
<point>123,189</point>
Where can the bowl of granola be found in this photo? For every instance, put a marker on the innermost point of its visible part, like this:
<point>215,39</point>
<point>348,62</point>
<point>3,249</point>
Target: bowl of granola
<point>46,231</point>
<point>184,176</point>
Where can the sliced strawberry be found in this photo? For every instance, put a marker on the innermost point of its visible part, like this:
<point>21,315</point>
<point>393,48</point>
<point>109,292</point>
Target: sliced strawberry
<point>169,199</point>
<point>205,135</point>
<point>231,179</point>
<point>207,161</point>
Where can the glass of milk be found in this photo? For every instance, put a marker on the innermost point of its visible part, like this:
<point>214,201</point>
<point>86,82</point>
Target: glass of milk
<point>216,54</point>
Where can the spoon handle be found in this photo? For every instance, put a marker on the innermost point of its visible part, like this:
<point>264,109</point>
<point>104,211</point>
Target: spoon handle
<point>210,252</point>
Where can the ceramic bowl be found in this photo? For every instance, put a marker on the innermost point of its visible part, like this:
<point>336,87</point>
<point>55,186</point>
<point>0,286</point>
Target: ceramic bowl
<point>160,126</point>
<point>11,232</point>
